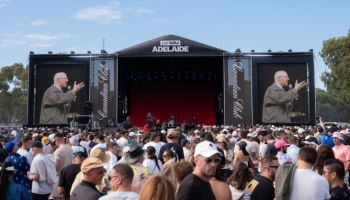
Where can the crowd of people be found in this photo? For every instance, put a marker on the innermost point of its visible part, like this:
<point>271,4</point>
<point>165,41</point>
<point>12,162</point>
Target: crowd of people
<point>205,162</point>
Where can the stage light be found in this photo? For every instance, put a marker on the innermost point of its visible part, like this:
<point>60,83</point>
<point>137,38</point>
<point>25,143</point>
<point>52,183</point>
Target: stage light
<point>290,50</point>
<point>31,52</point>
<point>269,51</point>
<point>252,51</point>
<point>50,52</point>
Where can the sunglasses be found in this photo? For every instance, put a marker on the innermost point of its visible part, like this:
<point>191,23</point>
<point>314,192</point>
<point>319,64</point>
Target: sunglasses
<point>215,160</point>
<point>274,167</point>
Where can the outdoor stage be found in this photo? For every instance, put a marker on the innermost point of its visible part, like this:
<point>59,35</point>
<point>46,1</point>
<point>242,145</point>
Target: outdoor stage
<point>172,75</point>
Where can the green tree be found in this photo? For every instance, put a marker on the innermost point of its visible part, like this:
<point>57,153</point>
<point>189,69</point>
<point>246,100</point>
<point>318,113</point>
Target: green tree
<point>336,55</point>
<point>13,94</point>
<point>331,107</point>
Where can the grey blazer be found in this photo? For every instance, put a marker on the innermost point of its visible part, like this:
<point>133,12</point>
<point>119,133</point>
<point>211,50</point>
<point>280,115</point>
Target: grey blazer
<point>277,104</point>
<point>55,105</point>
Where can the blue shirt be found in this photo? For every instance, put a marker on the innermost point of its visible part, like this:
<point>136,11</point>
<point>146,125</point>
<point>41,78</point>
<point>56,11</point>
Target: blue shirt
<point>21,166</point>
<point>293,152</point>
<point>17,191</point>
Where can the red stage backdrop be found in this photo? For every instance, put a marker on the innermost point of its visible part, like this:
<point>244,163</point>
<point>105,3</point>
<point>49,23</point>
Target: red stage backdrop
<point>181,98</point>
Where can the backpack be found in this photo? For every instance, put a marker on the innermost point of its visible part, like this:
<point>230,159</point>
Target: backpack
<point>284,181</point>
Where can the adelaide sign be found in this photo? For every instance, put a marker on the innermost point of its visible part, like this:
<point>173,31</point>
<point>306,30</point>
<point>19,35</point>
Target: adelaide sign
<point>169,46</point>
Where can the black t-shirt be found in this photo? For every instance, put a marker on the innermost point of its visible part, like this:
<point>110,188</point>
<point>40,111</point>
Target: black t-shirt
<point>67,176</point>
<point>86,191</point>
<point>193,187</point>
<point>340,193</point>
<point>175,148</point>
<point>264,189</point>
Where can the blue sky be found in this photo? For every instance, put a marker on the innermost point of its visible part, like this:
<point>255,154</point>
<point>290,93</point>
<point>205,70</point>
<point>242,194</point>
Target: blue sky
<point>81,25</point>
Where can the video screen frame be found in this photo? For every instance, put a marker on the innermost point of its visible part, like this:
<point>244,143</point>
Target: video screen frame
<point>298,66</point>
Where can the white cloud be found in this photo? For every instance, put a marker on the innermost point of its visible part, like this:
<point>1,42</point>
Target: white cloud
<point>41,40</point>
<point>105,14</point>
<point>111,13</point>
<point>32,40</point>
<point>38,22</point>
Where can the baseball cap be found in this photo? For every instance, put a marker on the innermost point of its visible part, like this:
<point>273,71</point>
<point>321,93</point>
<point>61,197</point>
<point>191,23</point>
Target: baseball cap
<point>45,140</point>
<point>10,145</point>
<point>337,135</point>
<point>206,149</point>
<point>37,144</point>
<point>52,137</point>
<point>131,134</point>
<point>242,144</point>
<point>301,130</point>
<point>281,143</point>
<point>184,142</point>
<point>74,140</point>
<point>91,163</point>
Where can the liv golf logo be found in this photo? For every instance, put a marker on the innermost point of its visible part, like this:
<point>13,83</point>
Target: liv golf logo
<point>169,46</point>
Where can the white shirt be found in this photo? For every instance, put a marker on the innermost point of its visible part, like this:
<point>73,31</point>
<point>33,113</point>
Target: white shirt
<point>120,196</point>
<point>254,147</point>
<point>112,161</point>
<point>85,144</point>
<point>187,153</point>
<point>38,166</point>
<point>151,164</point>
<point>156,145</point>
<point>26,154</point>
<point>262,149</point>
<point>102,146</point>
<point>309,185</point>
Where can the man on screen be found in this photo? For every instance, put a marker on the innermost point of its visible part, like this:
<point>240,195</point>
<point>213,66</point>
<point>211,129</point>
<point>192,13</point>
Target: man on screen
<point>56,103</point>
<point>278,102</point>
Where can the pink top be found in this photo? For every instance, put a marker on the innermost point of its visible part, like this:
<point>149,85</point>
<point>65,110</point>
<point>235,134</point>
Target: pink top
<point>342,152</point>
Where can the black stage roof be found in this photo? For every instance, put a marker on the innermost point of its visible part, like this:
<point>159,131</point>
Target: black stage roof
<point>170,45</point>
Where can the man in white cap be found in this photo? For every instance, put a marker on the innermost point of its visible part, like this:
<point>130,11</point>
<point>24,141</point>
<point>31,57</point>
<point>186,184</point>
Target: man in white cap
<point>196,185</point>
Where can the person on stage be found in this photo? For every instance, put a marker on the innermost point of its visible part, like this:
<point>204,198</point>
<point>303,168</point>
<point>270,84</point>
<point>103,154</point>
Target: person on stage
<point>277,102</point>
<point>56,103</point>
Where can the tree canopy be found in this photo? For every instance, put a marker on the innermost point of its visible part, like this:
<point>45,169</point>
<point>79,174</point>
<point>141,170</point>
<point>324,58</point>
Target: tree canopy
<point>336,55</point>
<point>13,94</point>
<point>331,108</point>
